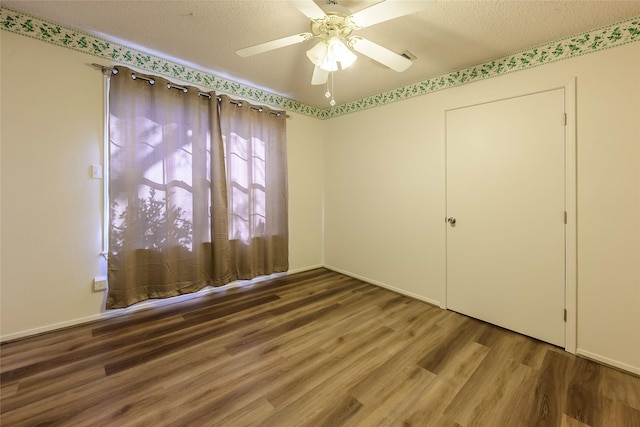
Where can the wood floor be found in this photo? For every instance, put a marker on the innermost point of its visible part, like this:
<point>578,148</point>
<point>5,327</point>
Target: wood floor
<point>311,349</point>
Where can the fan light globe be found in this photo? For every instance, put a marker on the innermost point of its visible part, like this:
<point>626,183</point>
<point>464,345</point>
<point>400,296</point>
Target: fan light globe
<point>340,53</point>
<point>328,53</point>
<point>317,53</point>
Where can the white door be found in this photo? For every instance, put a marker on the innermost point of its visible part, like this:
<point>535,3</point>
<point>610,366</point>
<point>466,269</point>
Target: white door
<point>505,189</point>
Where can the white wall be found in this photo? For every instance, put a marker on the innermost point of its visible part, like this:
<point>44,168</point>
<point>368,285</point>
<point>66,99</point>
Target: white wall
<point>385,198</point>
<point>306,188</point>
<point>51,211</point>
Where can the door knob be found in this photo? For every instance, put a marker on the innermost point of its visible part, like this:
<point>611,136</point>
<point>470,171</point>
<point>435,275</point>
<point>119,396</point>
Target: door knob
<point>451,220</point>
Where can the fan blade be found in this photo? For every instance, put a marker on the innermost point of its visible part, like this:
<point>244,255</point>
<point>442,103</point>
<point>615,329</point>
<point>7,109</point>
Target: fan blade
<point>308,8</point>
<point>381,54</point>
<point>274,44</point>
<point>387,10</point>
<point>320,76</point>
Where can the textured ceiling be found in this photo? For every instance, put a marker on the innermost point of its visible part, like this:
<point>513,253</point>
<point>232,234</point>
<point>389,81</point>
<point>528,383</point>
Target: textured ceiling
<point>447,36</point>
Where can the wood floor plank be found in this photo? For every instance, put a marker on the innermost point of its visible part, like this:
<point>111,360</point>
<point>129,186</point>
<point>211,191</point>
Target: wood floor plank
<point>321,399</point>
<point>617,413</point>
<point>43,347</point>
<point>316,348</point>
<point>291,397</point>
<point>384,404</point>
<point>487,392</point>
<point>549,394</point>
<point>340,413</point>
<point>568,421</point>
<point>520,397</point>
<point>437,358</point>
<point>51,383</point>
<point>150,396</point>
<point>314,374</point>
<point>250,415</point>
<point>583,390</point>
<point>430,407</point>
<point>373,386</point>
<point>274,381</point>
<point>620,387</point>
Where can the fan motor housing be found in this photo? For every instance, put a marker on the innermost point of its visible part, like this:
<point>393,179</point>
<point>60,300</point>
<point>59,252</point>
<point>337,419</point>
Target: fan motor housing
<point>333,25</point>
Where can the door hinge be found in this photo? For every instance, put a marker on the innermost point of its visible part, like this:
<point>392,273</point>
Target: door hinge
<point>565,314</point>
<point>565,119</point>
<point>565,217</point>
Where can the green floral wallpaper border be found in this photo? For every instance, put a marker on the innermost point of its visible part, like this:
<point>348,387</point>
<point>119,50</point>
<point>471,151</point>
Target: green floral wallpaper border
<point>589,42</point>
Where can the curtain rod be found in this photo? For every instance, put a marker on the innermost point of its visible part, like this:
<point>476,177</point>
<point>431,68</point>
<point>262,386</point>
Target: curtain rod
<point>111,70</point>
<point>105,70</point>
<point>258,109</point>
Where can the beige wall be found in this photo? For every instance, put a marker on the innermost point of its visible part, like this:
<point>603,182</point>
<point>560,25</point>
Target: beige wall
<point>385,198</point>
<point>51,211</point>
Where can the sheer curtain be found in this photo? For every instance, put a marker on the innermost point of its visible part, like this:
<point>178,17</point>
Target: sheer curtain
<point>255,151</point>
<point>190,206</point>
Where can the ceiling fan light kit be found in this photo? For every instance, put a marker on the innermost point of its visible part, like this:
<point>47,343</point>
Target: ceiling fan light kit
<point>334,27</point>
<point>329,53</point>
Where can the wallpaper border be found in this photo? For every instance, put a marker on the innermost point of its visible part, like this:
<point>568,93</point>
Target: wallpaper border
<point>591,41</point>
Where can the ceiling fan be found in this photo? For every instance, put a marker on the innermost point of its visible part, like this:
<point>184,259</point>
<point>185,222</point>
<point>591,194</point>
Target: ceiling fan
<point>334,26</point>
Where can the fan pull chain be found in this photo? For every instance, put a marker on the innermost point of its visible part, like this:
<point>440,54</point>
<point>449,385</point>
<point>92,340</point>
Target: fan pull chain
<point>329,92</point>
<point>333,101</point>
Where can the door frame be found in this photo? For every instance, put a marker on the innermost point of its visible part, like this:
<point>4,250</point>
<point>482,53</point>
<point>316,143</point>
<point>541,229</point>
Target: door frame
<point>570,190</point>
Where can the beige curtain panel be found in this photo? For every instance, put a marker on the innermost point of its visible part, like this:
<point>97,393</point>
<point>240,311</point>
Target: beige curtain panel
<point>196,199</point>
<point>256,186</point>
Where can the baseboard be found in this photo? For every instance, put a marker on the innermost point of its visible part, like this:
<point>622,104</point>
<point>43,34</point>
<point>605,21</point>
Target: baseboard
<point>57,326</point>
<point>145,305</point>
<point>303,269</point>
<point>385,285</point>
<point>607,361</point>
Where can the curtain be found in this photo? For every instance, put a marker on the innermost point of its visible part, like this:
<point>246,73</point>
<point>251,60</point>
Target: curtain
<point>255,151</point>
<point>171,231</point>
<point>166,169</point>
